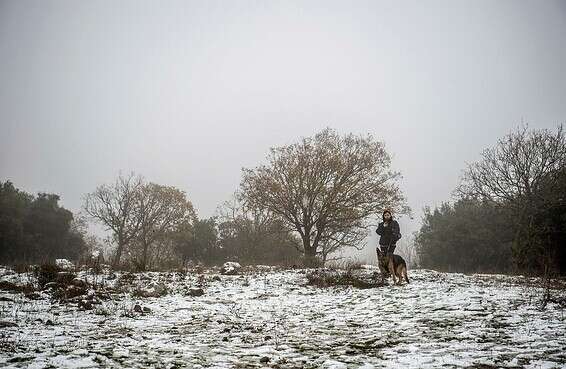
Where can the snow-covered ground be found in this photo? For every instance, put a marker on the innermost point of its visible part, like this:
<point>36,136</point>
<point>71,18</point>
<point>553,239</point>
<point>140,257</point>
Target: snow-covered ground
<point>271,319</point>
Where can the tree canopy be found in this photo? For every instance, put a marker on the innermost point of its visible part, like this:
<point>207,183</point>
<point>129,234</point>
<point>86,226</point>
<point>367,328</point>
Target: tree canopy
<point>35,228</point>
<point>326,188</point>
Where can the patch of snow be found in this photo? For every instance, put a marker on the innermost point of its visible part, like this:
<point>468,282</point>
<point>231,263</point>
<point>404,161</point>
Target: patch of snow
<point>65,264</point>
<point>367,366</point>
<point>230,267</point>
<point>332,364</point>
<point>369,267</point>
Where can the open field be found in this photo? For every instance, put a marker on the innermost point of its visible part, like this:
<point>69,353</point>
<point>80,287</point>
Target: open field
<point>271,318</point>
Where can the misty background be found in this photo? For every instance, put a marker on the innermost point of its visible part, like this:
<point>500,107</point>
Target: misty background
<point>188,93</point>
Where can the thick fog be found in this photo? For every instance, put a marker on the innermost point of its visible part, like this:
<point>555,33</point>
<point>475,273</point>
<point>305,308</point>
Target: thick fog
<point>188,93</point>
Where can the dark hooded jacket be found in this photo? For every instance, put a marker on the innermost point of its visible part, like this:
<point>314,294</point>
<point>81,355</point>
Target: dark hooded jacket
<point>389,232</point>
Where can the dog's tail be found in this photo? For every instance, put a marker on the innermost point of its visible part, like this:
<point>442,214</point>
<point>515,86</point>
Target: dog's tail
<point>405,274</point>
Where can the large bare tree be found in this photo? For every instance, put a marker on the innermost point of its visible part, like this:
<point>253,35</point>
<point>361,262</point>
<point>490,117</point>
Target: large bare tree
<point>326,188</point>
<point>115,207</point>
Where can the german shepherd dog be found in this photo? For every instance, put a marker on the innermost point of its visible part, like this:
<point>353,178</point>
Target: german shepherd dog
<point>392,264</point>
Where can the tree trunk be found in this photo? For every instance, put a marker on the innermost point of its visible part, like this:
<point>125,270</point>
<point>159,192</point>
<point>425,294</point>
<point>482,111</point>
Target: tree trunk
<point>116,262</point>
<point>310,253</point>
<point>143,265</point>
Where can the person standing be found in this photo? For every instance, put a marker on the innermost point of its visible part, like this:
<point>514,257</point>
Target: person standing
<point>389,233</point>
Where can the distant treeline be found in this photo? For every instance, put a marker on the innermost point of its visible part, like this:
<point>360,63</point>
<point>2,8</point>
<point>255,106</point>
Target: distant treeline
<point>510,215</point>
<point>308,200</point>
<point>167,234</point>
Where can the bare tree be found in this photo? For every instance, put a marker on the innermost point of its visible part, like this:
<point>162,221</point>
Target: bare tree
<point>515,168</point>
<point>241,215</point>
<point>115,207</point>
<point>160,209</point>
<point>326,188</point>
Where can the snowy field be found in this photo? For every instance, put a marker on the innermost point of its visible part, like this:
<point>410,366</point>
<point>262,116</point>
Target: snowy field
<point>270,318</point>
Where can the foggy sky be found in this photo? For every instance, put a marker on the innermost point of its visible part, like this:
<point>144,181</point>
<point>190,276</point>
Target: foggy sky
<point>187,93</point>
